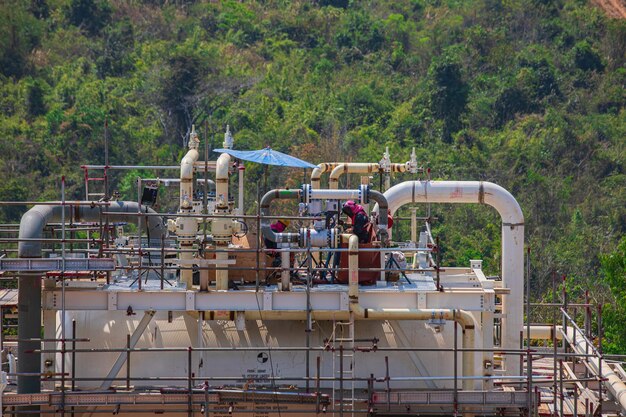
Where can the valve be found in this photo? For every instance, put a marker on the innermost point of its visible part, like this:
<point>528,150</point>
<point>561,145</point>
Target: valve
<point>385,163</point>
<point>194,142</point>
<point>228,139</point>
<point>412,164</point>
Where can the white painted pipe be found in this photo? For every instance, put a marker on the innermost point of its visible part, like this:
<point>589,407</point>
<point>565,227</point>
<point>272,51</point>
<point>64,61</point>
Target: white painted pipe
<point>353,267</point>
<point>335,194</point>
<point>185,205</point>
<point>221,177</point>
<point>221,227</point>
<point>512,240</point>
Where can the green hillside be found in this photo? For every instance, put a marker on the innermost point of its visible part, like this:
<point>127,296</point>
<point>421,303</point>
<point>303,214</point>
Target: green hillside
<point>529,94</point>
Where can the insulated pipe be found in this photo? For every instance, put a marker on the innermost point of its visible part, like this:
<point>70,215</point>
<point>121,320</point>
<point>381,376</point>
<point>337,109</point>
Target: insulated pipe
<point>221,227</point>
<point>186,176</point>
<point>350,167</point>
<point>612,381</point>
<point>543,332</point>
<point>319,170</point>
<point>353,268</point>
<point>221,177</point>
<point>266,229</point>
<point>512,240</point>
<point>185,226</point>
<point>29,292</point>
<point>359,168</point>
<point>316,194</point>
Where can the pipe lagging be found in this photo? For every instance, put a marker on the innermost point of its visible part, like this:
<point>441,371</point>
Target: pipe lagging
<point>512,262</point>
<point>29,291</point>
<point>186,175</point>
<point>221,176</point>
<point>317,172</point>
<point>359,168</point>
<point>266,229</point>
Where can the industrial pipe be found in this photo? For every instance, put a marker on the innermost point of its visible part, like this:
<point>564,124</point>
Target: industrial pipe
<point>186,228</point>
<point>29,292</point>
<point>543,332</point>
<point>319,170</point>
<point>512,240</point>
<point>187,169</point>
<point>353,268</point>
<point>266,229</point>
<point>360,168</point>
<point>221,227</point>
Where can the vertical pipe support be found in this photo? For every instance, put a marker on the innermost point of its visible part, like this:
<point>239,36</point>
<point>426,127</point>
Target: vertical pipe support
<point>353,268</point>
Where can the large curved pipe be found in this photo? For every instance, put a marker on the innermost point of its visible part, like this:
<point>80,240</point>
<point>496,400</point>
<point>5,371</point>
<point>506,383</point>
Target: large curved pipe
<point>317,172</point>
<point>512,266</point>
<point>266,229</point>
<point>221,227</point>
<point>359,168</point>
<point>186,175</point>
<point>29,292</point>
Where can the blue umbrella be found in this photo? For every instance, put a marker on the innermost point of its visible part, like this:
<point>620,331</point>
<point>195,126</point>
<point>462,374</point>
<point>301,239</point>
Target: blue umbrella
<point>268,156</point>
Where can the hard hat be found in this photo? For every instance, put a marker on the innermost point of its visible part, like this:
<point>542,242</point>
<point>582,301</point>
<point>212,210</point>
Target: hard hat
<point>286,222</point>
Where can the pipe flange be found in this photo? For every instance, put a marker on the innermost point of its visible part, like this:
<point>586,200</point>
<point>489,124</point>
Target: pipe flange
<point>364,194</point>
<point>305,197</point>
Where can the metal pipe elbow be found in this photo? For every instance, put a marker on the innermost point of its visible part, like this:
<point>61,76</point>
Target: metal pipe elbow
<point>266,230</point>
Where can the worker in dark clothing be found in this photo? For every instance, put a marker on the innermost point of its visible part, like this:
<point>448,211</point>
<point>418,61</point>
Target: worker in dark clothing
<point>360,221</point>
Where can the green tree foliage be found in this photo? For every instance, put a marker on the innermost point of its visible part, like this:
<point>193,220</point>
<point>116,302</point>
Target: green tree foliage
<point>614,268</point>
<point>529,94</point>
<point>91,15</point>
<point>448,93</point>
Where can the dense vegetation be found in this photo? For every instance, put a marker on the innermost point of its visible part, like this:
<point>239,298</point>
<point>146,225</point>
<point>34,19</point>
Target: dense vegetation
<point>529,94</point>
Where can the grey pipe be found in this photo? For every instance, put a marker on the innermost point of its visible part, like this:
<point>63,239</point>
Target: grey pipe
<point>266,229</point>
<point>383,209</point>
<point>29,292</point>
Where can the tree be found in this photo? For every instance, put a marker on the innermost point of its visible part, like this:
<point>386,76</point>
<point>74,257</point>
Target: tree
<point>92,15</point>
<point>614,269</point>
<point>448,93</point>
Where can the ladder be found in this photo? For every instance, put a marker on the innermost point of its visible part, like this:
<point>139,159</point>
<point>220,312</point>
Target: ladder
<point>344,366</point>
<point>103,179</point>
